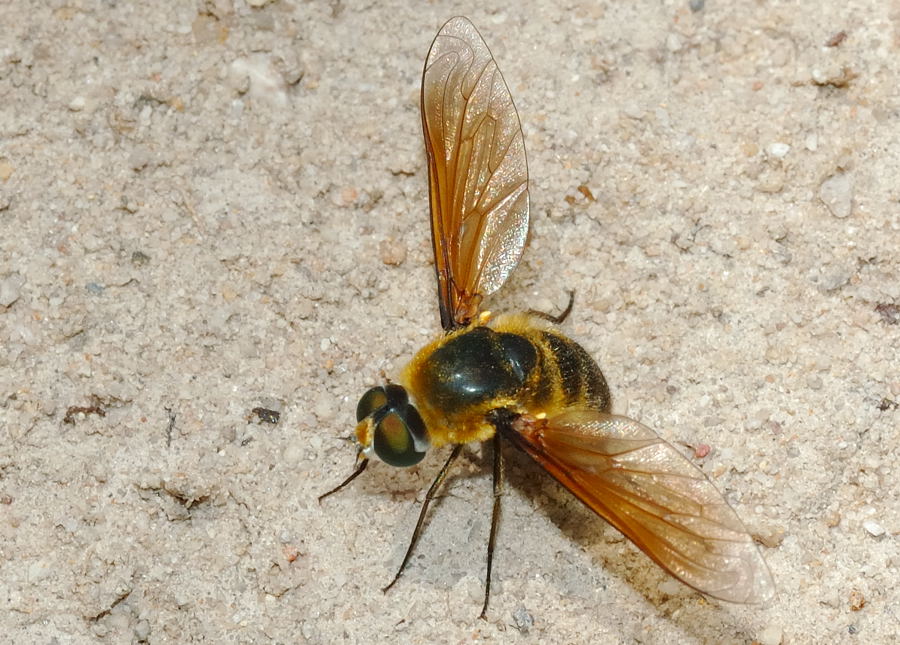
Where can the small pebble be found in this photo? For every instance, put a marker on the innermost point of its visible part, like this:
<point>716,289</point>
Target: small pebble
<point>772,538</point>
<point>873,528</point>
<point>77,104</point>
<point>39,570</point>
<point>392,252</point>
<point>771,635</point>
<point>271,403</point>
<point>633,111</point>
<point>238,79</point>
<point>771,181</point>
<point>523,619</point>
<point>774,427</point>
<point>670,587</point>
<point>673,43</point>
<point>890,313</point>
<point>778,149</point>
<point>10,289</point>
<point>836,39</point>
<point>323,407</point>
<point>142,630</point>
<point>758,418</point>
<point>140,157</point>
<point>834,279</point>
<point>349,195</point>
<point>833,77</point>
<point>836,193</point>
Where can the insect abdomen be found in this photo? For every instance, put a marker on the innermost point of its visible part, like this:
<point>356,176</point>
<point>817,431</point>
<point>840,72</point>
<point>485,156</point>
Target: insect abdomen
<point>564,375</point>
<point>571,372</point>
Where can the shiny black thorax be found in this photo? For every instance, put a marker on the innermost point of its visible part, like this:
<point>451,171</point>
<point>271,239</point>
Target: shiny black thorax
<point>537,367</point>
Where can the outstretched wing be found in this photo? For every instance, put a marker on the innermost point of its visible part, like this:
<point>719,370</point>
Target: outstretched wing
<point>477,173</point>
<point>654,495</point>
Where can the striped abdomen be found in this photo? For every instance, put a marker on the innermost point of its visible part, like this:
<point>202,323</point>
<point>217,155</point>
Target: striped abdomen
<point>564,374</point>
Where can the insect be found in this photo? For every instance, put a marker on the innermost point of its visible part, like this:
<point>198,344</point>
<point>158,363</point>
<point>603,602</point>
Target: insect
<point>516,377</point>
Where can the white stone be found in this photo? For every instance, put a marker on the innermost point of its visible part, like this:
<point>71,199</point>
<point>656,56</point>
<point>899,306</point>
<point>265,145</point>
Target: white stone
<point>873,528</point>
<point>10,289</point>
<point>836,193</point>
<point>778,149</point>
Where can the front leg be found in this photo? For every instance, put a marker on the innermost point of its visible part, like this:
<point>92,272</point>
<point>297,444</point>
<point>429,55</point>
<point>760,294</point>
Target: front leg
<point>435,485</point>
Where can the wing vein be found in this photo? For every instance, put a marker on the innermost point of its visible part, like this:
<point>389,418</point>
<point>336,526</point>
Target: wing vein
<point>476,162</point>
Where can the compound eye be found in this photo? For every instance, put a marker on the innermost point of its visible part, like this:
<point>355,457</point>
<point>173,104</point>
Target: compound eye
<point>400,441</point>
<point>396,396</point>
<point>371,401</point>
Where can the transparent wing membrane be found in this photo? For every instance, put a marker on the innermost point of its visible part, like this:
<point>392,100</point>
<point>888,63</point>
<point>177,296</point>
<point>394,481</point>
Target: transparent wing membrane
<point>655,496</point>
<point>477,172</point>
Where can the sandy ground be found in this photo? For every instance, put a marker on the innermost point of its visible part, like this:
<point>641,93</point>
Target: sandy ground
<point>208,207</point>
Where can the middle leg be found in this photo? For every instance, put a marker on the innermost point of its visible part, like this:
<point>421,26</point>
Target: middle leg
<point>495,520</point>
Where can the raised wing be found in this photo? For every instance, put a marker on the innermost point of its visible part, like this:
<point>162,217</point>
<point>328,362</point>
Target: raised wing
<point>477,173</point>
<point>654,495</point>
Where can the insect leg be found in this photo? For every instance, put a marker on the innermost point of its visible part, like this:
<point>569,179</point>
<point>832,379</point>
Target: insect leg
<point>559,318</point>
<point>495,520</point>
<point>428,497</point>
<point>356,473</point>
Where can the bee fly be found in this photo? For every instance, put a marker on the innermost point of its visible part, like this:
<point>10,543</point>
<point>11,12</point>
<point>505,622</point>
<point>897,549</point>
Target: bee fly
<point>516,377</point>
